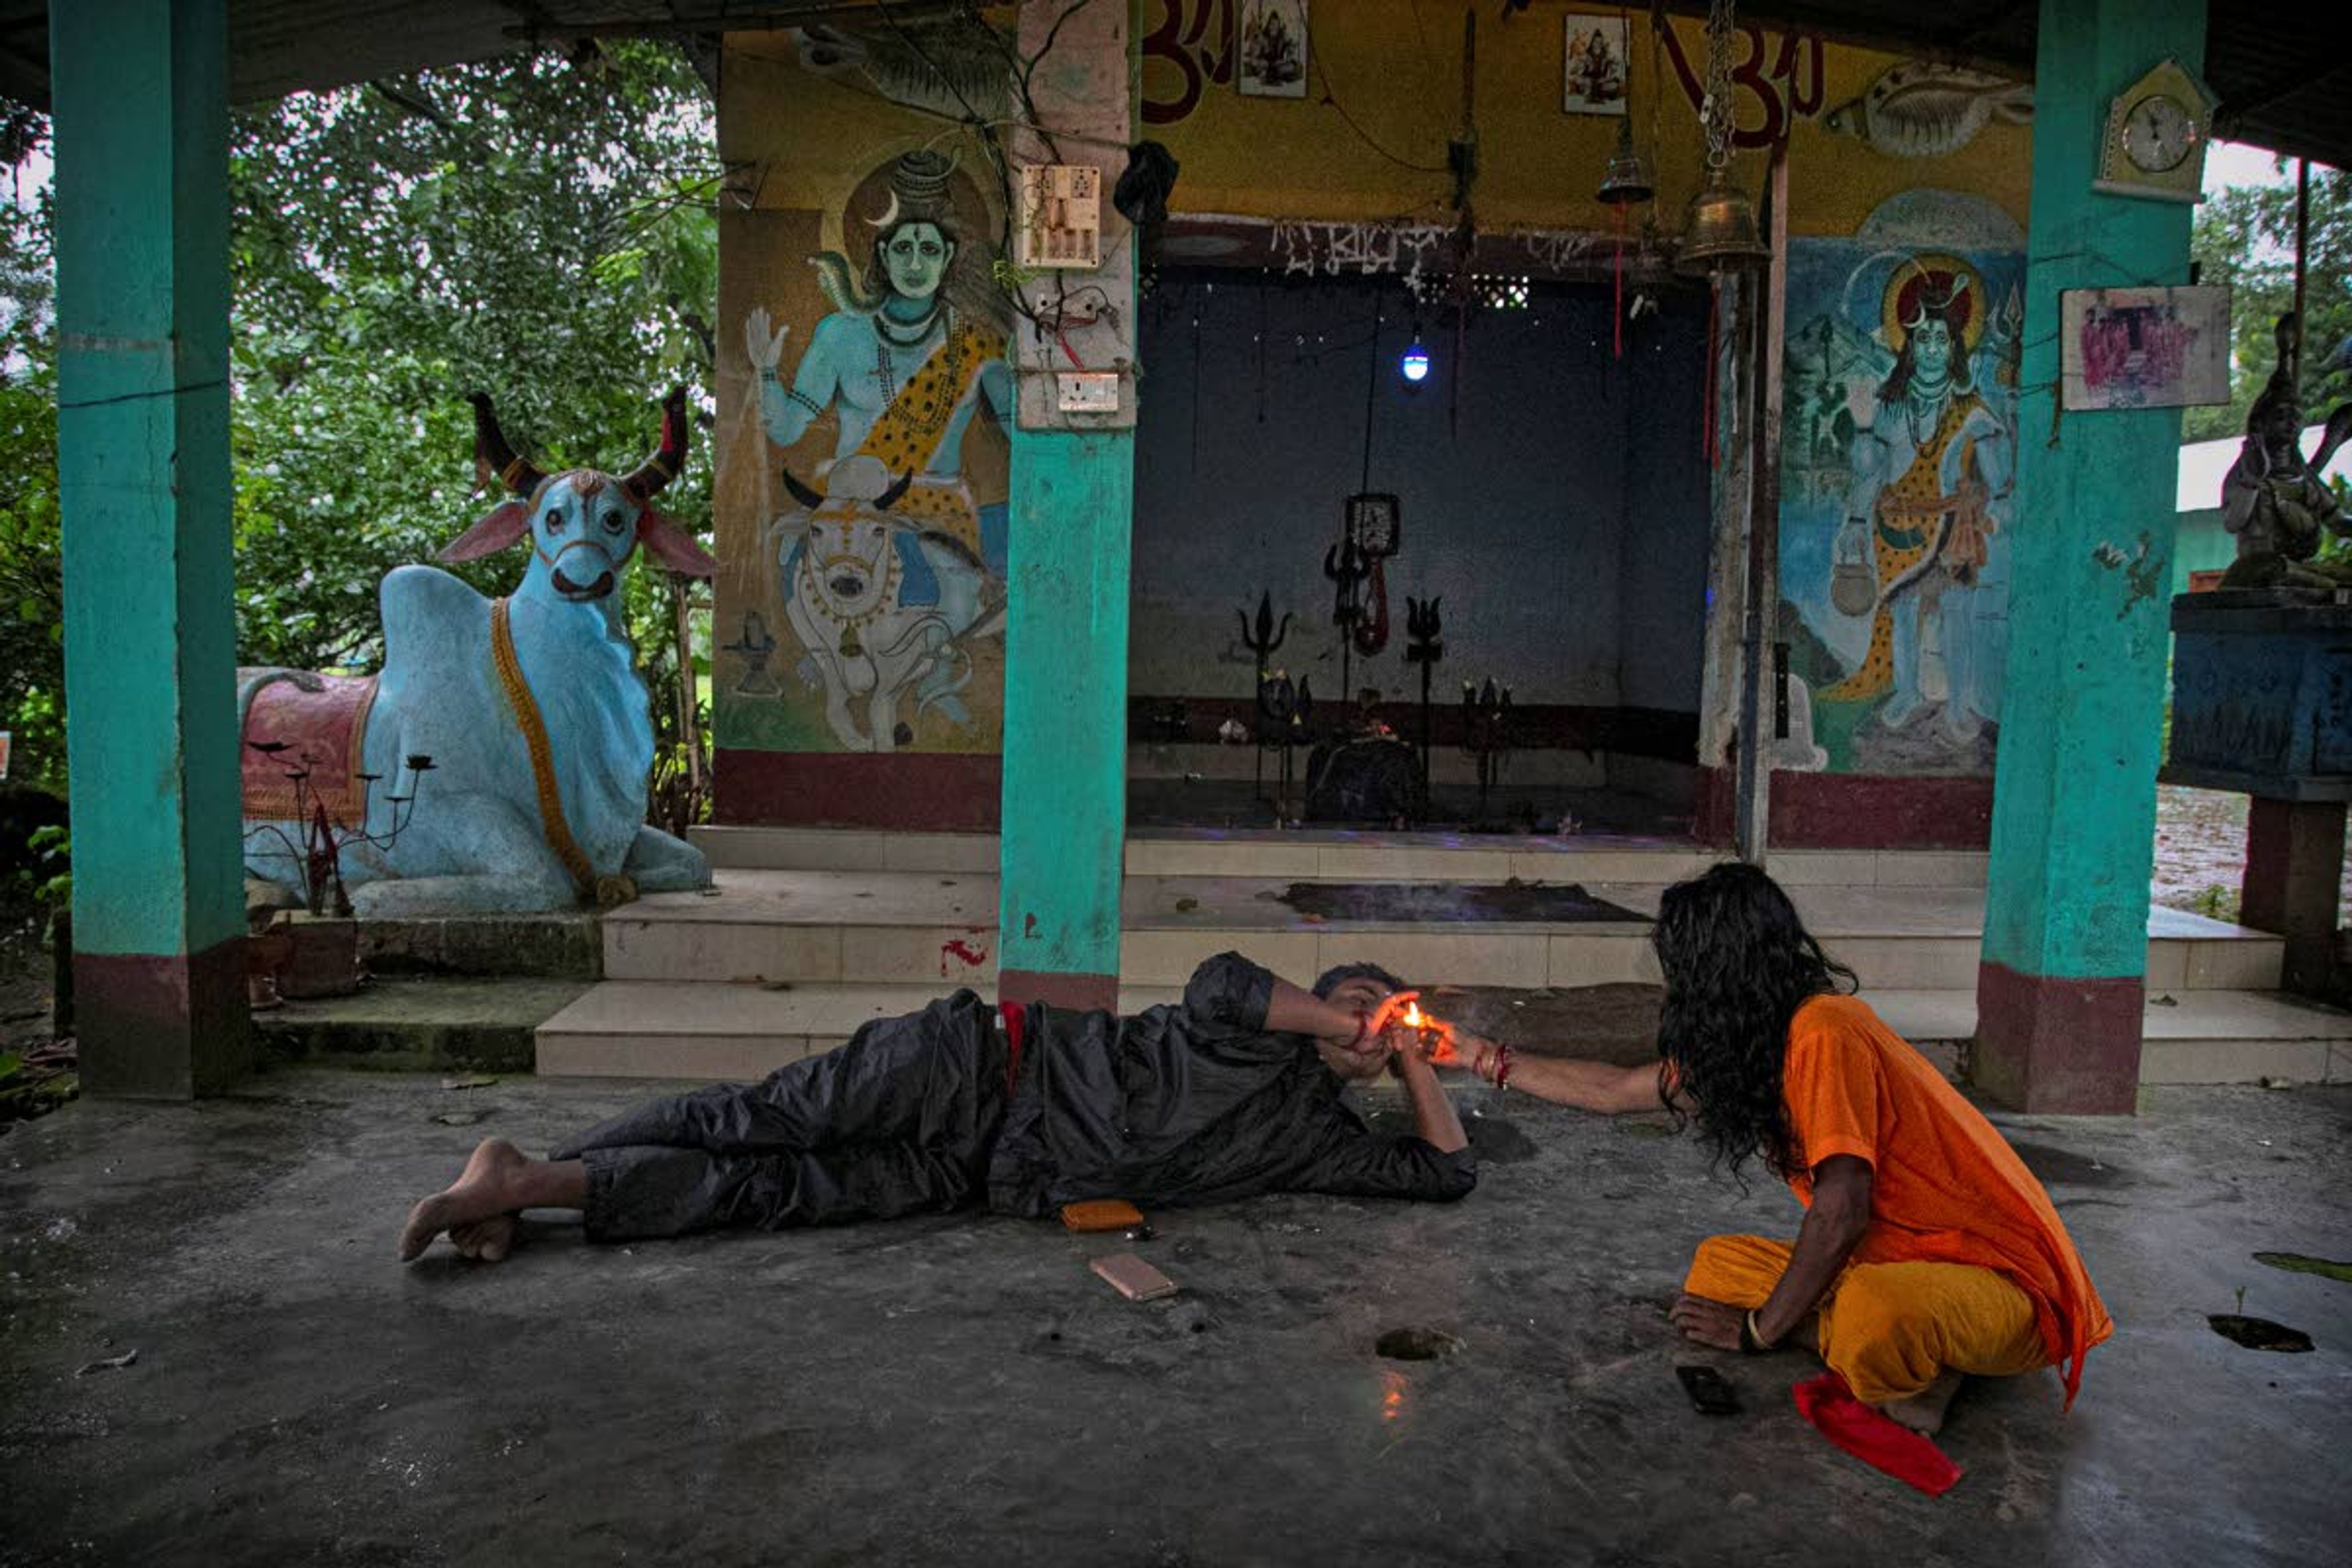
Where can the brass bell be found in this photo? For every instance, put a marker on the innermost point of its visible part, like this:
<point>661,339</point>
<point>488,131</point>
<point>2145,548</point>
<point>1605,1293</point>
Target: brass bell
<point>1719,229</point>
<point>1627,178</point>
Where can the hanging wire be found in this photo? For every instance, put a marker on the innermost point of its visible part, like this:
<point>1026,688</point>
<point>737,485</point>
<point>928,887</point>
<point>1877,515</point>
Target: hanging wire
<point>1331,96</point>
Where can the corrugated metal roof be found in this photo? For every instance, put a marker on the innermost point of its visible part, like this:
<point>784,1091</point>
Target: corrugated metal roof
<point>2281,87</point>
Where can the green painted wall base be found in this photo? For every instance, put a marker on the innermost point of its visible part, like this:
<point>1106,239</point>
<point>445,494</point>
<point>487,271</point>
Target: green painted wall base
<point>2074,790</point>
<point>1065,807</point>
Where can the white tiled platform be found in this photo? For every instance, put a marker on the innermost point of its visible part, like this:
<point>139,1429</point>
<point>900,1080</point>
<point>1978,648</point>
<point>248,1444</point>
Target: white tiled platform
<point>1335,854</point>
<point>783,961</point>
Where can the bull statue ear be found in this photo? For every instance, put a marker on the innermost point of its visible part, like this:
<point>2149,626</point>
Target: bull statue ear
<point>502,527</point>
<point>801,492</point>
<point>892,495</point>
<point>675,548</point>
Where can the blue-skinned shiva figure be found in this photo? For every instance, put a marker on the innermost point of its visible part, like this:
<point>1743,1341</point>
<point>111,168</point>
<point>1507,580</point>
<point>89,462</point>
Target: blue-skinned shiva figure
<point>905,360</point>
<point>1931,489</point>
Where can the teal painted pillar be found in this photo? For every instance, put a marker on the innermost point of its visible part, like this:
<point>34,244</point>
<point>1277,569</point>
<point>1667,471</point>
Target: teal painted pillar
<point>1073,506</point>
<point>139,92</point>
<point>2060,991</point>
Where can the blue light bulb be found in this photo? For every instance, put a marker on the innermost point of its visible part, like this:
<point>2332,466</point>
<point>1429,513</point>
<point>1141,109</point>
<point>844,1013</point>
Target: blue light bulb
<point>1415,363</point>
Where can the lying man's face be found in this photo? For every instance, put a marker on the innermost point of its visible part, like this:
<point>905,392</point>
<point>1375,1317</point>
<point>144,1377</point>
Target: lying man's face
<point>1359,994</point>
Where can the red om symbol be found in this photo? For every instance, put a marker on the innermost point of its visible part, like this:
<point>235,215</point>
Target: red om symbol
<point>1177,39</point>
<point>1790,87</point>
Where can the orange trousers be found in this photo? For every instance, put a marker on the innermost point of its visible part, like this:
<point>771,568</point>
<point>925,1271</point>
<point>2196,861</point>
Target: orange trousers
<point>1888,1329</point>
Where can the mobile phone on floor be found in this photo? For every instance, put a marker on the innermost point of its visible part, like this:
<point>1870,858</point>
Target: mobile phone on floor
<point>1133,1277</point>
<point>1710,1392</point>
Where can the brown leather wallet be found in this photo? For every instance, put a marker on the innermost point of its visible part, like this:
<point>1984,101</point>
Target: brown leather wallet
<point>1101,1214</point>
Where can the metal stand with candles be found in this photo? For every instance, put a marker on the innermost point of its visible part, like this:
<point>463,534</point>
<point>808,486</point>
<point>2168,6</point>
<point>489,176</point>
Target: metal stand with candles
<point>319,957</point>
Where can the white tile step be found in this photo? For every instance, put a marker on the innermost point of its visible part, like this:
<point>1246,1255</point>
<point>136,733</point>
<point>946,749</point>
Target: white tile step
<point>1338,854</point>
<point>925,928</point>
<point>719,1032</point>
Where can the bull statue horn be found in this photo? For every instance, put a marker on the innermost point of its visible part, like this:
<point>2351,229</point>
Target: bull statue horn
<point>655,473</point>
<point>892,495</point>
<point>801,493</point>
<point>490,447</point>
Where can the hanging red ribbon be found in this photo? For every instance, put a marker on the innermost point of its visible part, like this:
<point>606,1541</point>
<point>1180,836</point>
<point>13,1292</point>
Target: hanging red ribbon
<point>1617,271</point>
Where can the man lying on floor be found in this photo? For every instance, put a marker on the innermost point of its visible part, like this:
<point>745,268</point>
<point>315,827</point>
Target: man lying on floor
<point>1929,1250</point>
<point>1233,1092</point>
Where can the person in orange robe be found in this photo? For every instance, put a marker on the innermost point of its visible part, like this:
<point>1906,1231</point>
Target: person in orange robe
<point>1927,1250</point>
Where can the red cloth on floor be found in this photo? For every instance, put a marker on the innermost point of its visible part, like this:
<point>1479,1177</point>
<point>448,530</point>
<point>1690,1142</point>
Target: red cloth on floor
<point>1876,1439</point>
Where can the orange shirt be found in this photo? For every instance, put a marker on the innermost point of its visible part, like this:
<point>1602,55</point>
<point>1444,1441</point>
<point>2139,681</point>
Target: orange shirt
<point>1945,1188</point>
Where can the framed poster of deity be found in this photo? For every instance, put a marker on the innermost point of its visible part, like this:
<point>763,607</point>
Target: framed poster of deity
<point>1594,67</point>
<point>1271,60</point>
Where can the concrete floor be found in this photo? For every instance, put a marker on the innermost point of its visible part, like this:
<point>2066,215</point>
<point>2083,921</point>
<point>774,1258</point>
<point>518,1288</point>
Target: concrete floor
<point>961,1389</point>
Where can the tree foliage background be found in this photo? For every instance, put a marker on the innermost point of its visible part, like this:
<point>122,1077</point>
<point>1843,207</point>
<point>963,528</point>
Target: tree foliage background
<point>539,227</point>
<point>2245,237</point>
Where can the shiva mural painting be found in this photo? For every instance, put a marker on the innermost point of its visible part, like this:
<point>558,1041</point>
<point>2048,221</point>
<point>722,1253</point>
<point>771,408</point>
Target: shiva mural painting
<point>889,607</point>
<point>1900,447</point>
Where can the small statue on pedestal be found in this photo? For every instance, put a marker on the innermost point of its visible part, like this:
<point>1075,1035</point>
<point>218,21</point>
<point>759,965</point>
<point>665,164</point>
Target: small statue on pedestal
<point>2273,499</point>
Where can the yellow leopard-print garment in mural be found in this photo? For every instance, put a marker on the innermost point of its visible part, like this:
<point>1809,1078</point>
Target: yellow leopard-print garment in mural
<point>1913,516</point>
<point>909,432</point>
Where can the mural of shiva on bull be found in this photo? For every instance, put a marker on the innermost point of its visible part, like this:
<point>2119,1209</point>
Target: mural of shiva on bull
<point>1899,448</point>
<point>889,561</point>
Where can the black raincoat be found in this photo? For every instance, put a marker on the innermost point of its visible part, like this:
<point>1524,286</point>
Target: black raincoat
<point>937,1110</point>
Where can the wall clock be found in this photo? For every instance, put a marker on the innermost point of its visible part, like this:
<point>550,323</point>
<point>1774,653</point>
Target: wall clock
<point>2156,132</point>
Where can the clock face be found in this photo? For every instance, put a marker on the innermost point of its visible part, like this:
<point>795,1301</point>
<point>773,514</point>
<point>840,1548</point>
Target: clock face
<point>2159,133</point>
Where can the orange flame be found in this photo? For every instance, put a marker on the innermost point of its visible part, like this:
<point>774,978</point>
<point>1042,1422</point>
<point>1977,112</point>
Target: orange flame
<point>1413,1019</point>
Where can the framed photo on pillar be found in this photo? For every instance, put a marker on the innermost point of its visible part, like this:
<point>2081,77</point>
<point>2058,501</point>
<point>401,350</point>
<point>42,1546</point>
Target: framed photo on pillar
<point>2144,348</point>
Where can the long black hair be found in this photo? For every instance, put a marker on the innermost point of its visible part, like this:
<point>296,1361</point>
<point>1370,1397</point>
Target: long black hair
<point>1739,963</point>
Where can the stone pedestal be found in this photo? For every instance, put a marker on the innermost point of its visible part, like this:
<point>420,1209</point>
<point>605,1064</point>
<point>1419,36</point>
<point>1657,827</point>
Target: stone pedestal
<point>2262,705</point>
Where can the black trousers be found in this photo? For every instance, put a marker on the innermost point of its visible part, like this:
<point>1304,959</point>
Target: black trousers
<point>901,1120</point>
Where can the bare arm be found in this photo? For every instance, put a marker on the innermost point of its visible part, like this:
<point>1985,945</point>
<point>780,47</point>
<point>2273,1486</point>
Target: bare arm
<point>1833,1228</point>
<point>1586,1085</point>
<point>1433,1119</point>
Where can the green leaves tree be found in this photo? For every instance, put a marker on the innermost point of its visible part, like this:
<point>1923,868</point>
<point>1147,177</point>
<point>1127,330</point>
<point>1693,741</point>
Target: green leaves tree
<point>2245,237</point>
<point>539,226</point>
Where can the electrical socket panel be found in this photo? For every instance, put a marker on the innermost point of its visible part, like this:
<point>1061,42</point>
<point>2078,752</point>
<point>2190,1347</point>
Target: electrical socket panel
<point>1060,222</point>
<point>1088,391</point>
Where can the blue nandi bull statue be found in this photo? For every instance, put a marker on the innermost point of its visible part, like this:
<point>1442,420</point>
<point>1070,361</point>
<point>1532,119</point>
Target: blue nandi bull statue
<point>530,707</point>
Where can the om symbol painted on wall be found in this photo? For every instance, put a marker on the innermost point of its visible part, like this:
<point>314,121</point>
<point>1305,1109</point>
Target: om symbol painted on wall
<point>1776,80</point>
<point>1196,37</point>
<point>1781,73</point>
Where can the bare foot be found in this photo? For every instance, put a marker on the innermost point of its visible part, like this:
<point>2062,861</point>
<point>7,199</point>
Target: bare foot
<point>488,1240</point>
<point>1924,1412</point>
<point>476,1209</point>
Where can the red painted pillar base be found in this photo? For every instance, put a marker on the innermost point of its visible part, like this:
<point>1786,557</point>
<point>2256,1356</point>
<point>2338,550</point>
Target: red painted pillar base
<point>2058,1047</point>
<point>1079,993</point>
<point>2294,864</point>
<point>173,1027</point>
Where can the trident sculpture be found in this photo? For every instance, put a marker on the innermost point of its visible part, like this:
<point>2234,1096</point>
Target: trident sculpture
<point>1266,638</point>
<point>1423,628</point>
